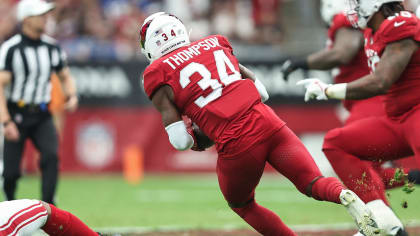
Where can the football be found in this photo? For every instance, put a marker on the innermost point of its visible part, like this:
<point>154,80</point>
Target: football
<point>202,140</point>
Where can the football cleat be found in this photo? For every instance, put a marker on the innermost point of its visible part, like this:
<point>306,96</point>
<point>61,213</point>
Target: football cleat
<point>398,231</point>
<point>395,231</point>
<point>360,213</point>
<point>358,234</point>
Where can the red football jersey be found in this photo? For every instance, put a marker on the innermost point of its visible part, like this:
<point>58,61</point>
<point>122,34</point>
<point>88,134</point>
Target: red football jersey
<point>355,69</point>
<point>404,93</point>
<point>208,88</point>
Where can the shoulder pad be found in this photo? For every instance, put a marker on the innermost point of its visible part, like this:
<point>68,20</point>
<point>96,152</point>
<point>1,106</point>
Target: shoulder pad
<point>153,78</point>
<point>224,42</point>
<point>401,26</point>
<point>339,21</point>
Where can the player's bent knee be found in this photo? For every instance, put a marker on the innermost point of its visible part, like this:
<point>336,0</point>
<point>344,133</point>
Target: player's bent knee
<point>330,139</point>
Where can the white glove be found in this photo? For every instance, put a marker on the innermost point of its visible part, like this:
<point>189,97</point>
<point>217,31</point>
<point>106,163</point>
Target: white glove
<point>261,90</point>
<point>315,88</point>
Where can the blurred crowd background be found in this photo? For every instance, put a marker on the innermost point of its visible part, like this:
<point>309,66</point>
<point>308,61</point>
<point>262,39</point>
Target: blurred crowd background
<point>108,29</point>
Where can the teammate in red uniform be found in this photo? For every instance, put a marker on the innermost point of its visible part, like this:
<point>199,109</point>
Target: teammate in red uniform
<point>204,81</point>
<point>345,50</point>
<point>25,217</point>
<point>391,45</point>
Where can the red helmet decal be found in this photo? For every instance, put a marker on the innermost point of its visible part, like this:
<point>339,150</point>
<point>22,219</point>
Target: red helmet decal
<point>144,28</point>
<point>143,33</point>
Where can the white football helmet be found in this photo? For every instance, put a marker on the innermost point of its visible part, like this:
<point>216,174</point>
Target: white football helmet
<point>361,11</point>
<point>160,34</point>
<point>330,8</point>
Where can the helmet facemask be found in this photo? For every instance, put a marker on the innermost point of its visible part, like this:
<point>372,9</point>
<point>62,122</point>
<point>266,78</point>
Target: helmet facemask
<point>361,11</point>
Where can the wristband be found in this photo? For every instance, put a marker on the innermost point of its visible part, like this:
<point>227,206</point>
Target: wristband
<point>337,91</point>
<point>261,90</point>
<point>179,136</point>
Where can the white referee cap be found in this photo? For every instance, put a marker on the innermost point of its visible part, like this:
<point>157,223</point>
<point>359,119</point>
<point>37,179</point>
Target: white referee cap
<point>27,8</point>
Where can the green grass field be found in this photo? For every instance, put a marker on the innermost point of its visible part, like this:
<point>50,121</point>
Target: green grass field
<point>191,202</point>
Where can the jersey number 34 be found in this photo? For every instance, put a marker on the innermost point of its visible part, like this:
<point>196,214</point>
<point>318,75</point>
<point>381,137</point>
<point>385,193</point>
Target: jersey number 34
<point>206,81</point>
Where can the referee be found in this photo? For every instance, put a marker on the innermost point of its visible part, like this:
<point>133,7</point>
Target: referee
<point>27,61</point>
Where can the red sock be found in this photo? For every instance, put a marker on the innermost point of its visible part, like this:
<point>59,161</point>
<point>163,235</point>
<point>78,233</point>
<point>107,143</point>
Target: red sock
<point>357,175</point>
<point>388,176</point>
<point>63,223</point>
<point>263,220</point>
<point>327,189</point>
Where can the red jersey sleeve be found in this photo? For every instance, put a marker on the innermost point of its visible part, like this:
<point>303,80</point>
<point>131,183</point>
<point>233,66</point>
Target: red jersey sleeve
<point>399,27</point>
<point>224,42</point>
<point>339,21</point>
<point>153,78</point>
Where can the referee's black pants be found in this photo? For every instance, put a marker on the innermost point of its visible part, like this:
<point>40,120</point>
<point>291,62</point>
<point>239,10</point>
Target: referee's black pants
<point>39,128</point>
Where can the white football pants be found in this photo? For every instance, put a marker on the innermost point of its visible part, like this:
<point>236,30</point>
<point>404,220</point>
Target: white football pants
<point>21,217</point>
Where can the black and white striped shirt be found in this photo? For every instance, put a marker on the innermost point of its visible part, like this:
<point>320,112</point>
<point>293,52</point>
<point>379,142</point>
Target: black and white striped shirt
<point>31,63</point>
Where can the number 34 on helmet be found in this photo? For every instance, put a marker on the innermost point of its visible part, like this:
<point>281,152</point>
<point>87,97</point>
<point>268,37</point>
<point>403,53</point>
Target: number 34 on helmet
<point>160,34</point>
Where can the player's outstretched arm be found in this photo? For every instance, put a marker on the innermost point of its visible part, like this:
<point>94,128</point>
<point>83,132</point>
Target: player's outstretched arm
<point>248,74</point>
<point>392,64</point>
<point>347,44</point>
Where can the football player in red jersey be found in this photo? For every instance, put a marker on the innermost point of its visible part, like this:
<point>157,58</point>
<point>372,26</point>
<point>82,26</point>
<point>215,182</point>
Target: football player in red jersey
<point>26,217</point>
<point>392,46</point>
<point>345,49</point>
<point>204,81</point>
<point>345,52</point>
